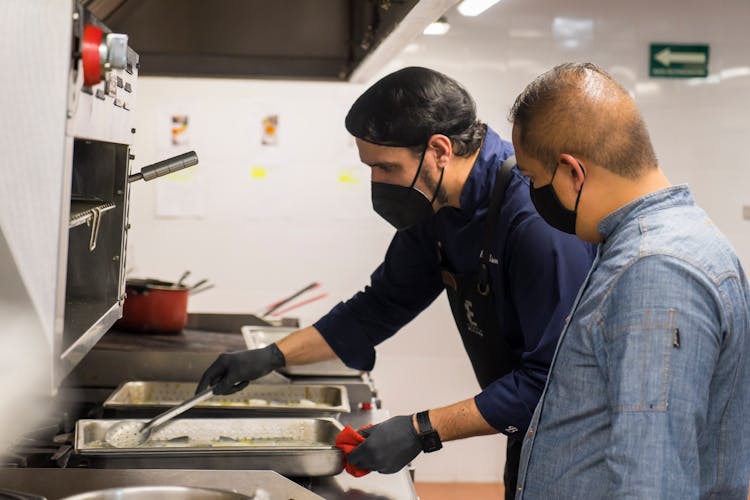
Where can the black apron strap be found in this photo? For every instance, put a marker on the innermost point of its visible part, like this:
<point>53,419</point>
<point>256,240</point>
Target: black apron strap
<point>481,308</point>
<point>502,180</point>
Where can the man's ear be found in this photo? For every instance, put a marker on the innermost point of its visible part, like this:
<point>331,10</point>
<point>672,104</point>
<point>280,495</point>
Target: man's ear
<point>572,168</point>
<point>442,147</point>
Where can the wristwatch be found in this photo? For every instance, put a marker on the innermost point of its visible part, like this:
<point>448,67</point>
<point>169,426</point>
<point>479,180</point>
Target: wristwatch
<point>428,436</point>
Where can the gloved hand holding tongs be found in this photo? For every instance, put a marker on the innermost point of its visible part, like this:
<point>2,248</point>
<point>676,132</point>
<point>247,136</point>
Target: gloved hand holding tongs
<point>233,371</point>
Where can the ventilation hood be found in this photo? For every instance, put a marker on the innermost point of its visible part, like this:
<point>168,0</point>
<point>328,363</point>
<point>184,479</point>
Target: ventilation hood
<point>287,39</point>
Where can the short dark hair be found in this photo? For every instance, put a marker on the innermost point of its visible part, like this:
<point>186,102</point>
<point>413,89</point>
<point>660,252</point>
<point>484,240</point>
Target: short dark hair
<point>578,108</point>
<point>405,108</point>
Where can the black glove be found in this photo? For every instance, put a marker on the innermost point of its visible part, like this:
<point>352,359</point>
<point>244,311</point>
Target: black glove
<point>389,446</point>
<point>232,371</point>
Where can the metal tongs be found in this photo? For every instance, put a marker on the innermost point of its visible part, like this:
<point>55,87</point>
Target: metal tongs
<point>133,433</point>
<point>276,310</point>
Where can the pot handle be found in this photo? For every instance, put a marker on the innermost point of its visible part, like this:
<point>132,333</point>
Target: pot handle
<point>165,167</point>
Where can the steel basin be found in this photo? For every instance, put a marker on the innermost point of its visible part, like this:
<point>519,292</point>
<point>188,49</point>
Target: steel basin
<point>159,493</point>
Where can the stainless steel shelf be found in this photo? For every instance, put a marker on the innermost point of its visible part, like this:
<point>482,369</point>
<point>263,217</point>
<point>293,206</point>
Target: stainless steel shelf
<point>82,211</point>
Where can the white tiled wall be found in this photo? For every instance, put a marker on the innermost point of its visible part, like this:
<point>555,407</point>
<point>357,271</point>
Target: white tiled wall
<point>700,129</point>
<point>699,126</point>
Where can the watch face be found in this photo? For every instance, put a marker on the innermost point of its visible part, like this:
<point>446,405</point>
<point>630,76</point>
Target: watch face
<point>431,442</point>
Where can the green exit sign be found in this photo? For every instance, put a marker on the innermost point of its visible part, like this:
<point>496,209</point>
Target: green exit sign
<point>673,60</point>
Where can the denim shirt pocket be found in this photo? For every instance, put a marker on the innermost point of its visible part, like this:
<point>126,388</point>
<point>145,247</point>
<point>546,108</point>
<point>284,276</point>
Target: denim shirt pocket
<point>639,347</point>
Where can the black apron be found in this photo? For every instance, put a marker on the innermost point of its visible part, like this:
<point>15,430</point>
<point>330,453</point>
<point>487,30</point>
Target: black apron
<point>474,308</point>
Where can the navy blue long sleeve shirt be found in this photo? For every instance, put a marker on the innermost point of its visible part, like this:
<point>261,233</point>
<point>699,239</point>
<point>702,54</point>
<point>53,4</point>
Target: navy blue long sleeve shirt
<point>539,269</point>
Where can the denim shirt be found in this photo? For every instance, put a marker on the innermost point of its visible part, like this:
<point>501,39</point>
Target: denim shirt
<point>649,390</point>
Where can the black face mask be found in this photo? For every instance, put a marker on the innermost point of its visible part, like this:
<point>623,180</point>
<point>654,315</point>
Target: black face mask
<point>548,205</point>
<point>402,206</point>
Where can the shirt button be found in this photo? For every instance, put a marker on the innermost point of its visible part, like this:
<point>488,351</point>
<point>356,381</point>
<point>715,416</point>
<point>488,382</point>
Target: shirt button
<point>531,432</point>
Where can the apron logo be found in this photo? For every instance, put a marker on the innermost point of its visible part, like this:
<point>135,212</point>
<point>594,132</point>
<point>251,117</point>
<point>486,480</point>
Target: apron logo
<point>490,258</point>
<point>472,325</point>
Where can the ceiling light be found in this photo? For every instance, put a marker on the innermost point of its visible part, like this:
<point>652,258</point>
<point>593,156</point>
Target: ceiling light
<point>572,33</point>
<point>647,88</point>
<point>472,8</point>
<point>734,72</point>
<point>439,27</point>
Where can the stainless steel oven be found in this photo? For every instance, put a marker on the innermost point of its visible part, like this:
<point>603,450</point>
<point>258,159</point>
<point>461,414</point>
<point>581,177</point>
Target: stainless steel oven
<point>66,149</point>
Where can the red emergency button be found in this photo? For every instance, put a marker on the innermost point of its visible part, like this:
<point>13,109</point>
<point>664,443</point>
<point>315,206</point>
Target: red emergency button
<point>90,55</point>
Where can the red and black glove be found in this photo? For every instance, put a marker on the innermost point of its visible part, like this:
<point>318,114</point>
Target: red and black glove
<point>387,447</point>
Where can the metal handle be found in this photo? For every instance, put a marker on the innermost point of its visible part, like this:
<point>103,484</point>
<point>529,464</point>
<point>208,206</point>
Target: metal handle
<point>196,285</point>
<point>202,289</point>
<point>165,167</point>
<point>182,278</point>
<point>180,408</point>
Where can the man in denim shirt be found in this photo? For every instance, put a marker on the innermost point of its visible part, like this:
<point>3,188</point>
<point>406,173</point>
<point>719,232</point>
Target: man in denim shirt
<point>648,394</point>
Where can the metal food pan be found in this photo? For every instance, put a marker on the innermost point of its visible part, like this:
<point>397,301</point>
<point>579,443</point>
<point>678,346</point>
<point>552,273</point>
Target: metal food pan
<point>257,337</point>
<point>148,398</point>
<point>289,446</point>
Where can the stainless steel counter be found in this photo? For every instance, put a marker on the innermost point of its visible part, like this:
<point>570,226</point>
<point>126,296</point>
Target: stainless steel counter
<point>122,357</point>
<point>54,482</point>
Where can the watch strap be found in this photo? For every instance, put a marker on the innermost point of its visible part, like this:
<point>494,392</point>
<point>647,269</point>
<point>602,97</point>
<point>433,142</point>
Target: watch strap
<point>428,436</point>
<point>423,422</point>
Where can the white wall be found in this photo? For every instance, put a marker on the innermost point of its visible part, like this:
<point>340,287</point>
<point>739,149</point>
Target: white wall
<point>314,227</point>
<point>699,126</point>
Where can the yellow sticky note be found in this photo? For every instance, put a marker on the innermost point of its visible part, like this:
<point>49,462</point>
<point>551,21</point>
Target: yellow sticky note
<point>257,172</point>
<point>347,176</point>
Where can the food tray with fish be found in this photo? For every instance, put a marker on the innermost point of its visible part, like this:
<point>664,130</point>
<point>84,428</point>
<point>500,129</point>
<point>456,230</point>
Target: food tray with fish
<point>257,337</point>
<point>289,446</point>
<point>140,398</point>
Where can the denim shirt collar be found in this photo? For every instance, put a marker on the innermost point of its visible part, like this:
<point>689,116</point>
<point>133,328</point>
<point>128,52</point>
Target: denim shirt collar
<point>478,186</point>
<point>663,198</point>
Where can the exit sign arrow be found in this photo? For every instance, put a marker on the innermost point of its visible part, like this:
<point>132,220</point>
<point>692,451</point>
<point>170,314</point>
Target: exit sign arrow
<point>667,57</point>
<point>677,60</point>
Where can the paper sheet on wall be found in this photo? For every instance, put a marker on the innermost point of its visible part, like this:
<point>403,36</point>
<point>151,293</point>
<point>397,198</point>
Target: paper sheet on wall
<point>180,198</point>
<point>180,194</point>
<point>270,130</point>
<point>269,174</point>
<point>180,130</point>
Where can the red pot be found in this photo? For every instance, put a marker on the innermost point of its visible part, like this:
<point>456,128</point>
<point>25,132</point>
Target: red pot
<point>154,306</point>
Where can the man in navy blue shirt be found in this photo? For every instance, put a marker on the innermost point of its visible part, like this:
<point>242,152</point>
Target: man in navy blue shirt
<point>466,225</point>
